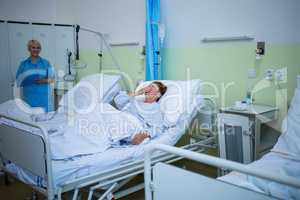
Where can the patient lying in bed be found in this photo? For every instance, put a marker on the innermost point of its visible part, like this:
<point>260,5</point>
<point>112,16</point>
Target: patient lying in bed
<point>134,123</point>
<point>143,105</point>
<point>104,127</point>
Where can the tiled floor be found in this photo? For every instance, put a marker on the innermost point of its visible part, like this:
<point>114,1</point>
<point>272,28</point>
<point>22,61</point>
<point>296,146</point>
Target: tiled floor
<point>19,191</point>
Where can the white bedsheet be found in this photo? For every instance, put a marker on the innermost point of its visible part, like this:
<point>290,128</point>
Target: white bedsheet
<point>284,159</point>
<point>273,162</point>
<point>90,133</point>
<point>66,170</point>
<point>81,134</point>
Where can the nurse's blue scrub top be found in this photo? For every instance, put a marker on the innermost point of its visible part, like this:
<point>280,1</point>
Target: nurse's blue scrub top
<point>35,94</point>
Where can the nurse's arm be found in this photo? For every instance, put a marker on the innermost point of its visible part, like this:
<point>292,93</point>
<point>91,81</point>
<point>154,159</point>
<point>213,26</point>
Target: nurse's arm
<point>44,81</point>
<point>50,76</point>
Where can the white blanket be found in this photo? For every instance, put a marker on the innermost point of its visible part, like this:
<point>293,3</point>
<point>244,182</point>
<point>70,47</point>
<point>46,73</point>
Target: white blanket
<point>71,169</point>
<point>273,162</point>
<point>78,134</point>
<point>92,133</point>
<point>289,142</point>
<point>284,159</point>
<point>19,109</point>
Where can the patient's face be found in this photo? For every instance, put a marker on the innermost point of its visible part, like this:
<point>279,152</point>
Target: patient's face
<point>152,93</point>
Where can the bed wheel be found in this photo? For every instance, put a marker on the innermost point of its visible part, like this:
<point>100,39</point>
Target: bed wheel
<point>34,196</point>
<point>6,179</point>
<point>69,196</point>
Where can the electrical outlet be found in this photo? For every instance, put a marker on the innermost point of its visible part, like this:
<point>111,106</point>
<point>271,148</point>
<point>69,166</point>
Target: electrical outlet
<point>281,75</point>
<point>269,74</point>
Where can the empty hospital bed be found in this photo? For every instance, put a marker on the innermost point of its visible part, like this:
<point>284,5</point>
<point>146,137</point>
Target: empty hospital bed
<point>275,176</point>
<point>30,160</point>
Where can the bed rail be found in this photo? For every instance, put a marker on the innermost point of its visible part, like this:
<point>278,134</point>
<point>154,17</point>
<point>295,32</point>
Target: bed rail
<point>123,172</point>
<point>210,160</point>
<point>32,154</point>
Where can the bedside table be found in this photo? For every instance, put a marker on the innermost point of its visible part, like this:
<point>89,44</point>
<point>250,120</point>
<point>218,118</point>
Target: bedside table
<point>257,115</point>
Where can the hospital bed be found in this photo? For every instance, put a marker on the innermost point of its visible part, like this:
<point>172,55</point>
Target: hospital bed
<point>275,176</point>
<point>30,160</point>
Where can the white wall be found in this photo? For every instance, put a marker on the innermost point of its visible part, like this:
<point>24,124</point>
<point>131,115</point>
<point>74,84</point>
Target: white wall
<point>186,21</point>
<point>124,21</point>
<point>48,11</point>
<point>268,20</point>
<point>54,40</point>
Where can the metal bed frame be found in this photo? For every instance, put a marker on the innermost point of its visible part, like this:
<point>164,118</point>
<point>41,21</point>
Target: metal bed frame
<point>194,185</point>
<point>36,146</point>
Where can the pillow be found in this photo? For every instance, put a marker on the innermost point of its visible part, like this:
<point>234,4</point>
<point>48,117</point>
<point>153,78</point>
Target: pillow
<point>91,90</point>
<point>103,83</point>
<point>17,108</point>
<point>110,95</point>
<point>178,97</point>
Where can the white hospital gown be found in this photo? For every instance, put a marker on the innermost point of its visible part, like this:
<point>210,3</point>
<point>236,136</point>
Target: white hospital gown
<point>149,114</point>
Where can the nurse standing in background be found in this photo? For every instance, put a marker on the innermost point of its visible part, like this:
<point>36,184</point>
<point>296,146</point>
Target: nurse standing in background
<point>34,76</point>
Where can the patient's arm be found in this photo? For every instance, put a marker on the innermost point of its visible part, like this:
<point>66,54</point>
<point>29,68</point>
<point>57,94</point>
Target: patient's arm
<point>121,99</point>
<point>139,138</point>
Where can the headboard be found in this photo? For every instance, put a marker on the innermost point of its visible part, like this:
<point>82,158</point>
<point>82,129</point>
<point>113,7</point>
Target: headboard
<point>298,81</point>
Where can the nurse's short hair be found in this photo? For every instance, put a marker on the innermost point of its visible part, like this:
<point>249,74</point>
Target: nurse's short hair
<point>33,42</point>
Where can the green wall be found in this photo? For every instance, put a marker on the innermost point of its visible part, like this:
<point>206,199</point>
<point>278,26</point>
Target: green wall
<point>220,66</point>
<point>226,63</point>
<point>224,68</point>
<point>131,62</point>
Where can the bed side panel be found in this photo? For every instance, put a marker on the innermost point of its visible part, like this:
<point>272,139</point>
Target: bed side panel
<point>171,182</point>
<point>24,149</point>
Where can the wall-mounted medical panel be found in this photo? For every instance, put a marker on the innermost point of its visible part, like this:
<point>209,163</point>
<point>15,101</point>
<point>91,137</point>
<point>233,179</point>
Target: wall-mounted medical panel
<point>55,39</point>
<point>19,35</point>
<point>5,79</point>
<point>45,35</point>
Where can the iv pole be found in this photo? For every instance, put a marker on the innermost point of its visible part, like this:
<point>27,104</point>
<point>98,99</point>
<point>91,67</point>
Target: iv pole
<point>100,55</point>
<point>101,35</point>
<point>106,44</point>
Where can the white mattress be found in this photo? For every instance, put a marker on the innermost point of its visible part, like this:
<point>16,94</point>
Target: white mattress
<point>274,162</point>
<point>64,171</point>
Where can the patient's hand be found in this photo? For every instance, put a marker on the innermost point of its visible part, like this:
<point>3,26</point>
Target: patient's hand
<point>132,94</point>
<point>140,92</point>
<point>139,138</point>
